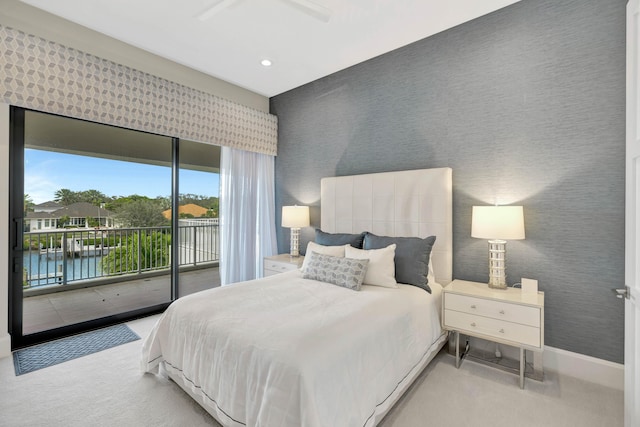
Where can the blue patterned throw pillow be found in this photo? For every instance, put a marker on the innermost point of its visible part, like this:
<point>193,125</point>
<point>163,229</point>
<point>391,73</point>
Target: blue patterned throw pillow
<point>346,272</point>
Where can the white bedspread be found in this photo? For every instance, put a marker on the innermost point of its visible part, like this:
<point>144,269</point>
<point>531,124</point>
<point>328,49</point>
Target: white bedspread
<point>287,351</point>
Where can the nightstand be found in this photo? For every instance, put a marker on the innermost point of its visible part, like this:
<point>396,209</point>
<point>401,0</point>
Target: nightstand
<point>280,263</point>
<point>506,316</point>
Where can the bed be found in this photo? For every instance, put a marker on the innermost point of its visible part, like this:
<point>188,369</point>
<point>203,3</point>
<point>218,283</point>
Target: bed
<point>289,350</point>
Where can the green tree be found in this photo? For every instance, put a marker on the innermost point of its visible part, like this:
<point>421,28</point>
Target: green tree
<point>116,203</point>
<point>92,221</point>
<point>211,213</point>
<point>186,198</point>
<point>141,213</point>
<point>165,202</point>
<point>94,197</point>
<point>66,197</point>
<point>63,220</point>
<point>154,250</point>
<point>28,203</point>
<point>214,207</point>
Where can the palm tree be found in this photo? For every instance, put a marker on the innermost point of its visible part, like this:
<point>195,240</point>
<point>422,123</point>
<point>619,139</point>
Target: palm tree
<point>94,197</point>
<point>28,203</point>
<point>66,196</point>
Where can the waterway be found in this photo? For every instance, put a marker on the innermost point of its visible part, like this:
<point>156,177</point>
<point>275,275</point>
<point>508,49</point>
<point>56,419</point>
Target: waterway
<point>43,270</point>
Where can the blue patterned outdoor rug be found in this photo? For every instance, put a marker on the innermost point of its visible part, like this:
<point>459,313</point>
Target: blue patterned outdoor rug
<point>51,353</point>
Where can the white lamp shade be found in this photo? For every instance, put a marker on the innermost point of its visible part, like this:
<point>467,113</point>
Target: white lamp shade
<point>295,216</point>
<point>497,222</point>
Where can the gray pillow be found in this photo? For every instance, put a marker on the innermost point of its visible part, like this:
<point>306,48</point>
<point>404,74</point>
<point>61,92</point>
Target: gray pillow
<point>339,239</point>
<point>345,272</point>
<point>412,257</point>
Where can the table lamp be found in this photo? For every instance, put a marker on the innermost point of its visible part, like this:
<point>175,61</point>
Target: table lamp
<point>295,217</point>
<point>498,224</point>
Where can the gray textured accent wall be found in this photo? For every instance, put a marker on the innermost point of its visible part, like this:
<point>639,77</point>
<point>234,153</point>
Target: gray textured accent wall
<point>527,105</point>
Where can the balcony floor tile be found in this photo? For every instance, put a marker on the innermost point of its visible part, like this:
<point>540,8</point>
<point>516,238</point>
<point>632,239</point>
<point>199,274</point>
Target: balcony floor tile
<point>58,309</point>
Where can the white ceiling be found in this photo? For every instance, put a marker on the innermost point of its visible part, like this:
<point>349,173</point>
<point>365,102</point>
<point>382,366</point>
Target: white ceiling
<point>231,43</point>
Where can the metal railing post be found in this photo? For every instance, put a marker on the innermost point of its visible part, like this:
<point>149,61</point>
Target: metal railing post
<point>139,251</point>
<point>47,264</point>
<point>64,258</point>
<point>195,245</point>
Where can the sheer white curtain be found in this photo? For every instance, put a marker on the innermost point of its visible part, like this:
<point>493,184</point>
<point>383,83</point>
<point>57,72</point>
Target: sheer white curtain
<point>247,214</point>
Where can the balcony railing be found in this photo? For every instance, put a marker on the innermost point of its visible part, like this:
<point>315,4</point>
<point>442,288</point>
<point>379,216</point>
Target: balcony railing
<point>69,256</point>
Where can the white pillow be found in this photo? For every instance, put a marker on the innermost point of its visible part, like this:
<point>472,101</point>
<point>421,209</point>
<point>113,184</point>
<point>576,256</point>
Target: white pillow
<point>324,250</point>
<point>431,276</point>
<point>381,270</point>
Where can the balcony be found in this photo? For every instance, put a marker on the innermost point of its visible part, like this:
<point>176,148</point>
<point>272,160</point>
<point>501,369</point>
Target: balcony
<point>71,276</point>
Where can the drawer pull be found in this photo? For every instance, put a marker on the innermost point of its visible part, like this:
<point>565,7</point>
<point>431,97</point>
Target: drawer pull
<point>501,311</point>
<point>473,306</point>
<point>473,324</point>
<point>501,331</point>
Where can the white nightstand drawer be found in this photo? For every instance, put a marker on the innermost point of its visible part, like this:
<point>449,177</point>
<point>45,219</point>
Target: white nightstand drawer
<point>280,263</point>
<point>268,272</point>
<point>279,267</point>
<point>478,326</point>
<point>493,309</point>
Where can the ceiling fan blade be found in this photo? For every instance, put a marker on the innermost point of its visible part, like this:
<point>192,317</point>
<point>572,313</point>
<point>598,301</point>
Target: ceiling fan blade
<point>215,8</point>
<point>312,8</point>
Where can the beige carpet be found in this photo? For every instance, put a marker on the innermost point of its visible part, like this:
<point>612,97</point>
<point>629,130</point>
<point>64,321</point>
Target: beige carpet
<point>107,389</point>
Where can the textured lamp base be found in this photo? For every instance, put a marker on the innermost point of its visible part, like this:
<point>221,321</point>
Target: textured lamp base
<point>295,242</point>
<point>497,264</point>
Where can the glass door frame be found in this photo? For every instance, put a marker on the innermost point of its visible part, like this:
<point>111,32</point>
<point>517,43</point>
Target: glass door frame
<point>16,219</point>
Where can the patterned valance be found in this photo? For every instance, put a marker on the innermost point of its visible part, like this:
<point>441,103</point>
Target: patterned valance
<point>46,76</point>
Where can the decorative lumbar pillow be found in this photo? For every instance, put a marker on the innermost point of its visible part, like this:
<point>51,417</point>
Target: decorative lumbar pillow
<point>412,257</point>
<point>345,272</point>
<point>324,250</point>
<point>339,239</point>
<point>381,269</point>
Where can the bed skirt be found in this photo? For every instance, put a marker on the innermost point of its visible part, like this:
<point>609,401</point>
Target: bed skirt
<point>378,414</point>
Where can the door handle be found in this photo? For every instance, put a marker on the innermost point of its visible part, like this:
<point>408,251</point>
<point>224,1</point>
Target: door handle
<point>19,223</point>
<point>622,292</point>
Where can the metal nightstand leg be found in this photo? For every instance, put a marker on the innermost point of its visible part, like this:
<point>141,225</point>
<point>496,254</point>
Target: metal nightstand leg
<point>523,363</point>
<point>459,356</point>
<point>457,349</point>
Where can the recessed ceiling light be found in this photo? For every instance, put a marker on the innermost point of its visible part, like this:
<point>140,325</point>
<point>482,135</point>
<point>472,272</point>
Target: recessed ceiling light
<point>266,63</point>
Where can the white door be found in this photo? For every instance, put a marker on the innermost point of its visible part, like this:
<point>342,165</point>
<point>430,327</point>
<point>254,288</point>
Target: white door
<point>632,232</point>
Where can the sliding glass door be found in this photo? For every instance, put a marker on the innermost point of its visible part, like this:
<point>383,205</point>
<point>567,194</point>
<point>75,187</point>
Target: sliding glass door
<point>198,241</point>
<point>93,224</point>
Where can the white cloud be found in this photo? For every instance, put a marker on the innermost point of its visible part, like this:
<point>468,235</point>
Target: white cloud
<point>39,187</point>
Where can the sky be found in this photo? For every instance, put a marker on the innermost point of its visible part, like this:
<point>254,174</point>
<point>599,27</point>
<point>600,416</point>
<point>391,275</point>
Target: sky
<point>46,172</point>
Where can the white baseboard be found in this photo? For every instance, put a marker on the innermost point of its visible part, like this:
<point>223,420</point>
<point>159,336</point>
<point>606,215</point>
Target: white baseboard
<point>586,368</point>
<point>5,346</point>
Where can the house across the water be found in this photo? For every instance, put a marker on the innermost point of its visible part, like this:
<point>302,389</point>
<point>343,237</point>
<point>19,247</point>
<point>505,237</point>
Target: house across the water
<point>52,215</point>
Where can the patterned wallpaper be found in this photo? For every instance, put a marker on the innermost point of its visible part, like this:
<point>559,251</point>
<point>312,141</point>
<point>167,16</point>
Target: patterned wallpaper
<point>46,76</point>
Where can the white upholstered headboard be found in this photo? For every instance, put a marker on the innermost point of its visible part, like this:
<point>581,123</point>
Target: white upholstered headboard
<point>415,203</point>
